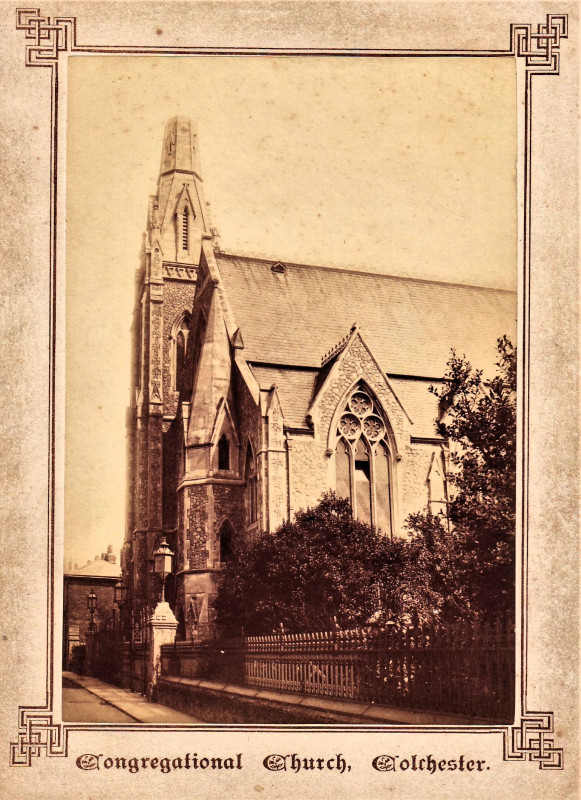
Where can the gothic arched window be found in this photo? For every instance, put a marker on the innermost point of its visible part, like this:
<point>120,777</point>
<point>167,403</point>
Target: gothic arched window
<point>185,228</point>
<point>251,487</point>
<point>363,471</point>
<point>223,452</point>
<point>180,338</point>
<point>226,536</point>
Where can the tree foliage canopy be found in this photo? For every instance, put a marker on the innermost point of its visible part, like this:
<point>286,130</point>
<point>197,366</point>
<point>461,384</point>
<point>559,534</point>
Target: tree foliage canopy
<point>479,420</point>
<point>324,565</point>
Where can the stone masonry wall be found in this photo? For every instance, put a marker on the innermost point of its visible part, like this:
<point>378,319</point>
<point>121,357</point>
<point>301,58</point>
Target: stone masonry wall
<point>76,589</point>
<point>308,472</point>
<point>171,451</point>
<point>228,504</point>
<point>178,296</point>
<point>155,471</point>
<point>196,517</point>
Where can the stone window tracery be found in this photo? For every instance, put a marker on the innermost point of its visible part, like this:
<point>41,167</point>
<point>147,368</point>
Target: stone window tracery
<point>363,463</point>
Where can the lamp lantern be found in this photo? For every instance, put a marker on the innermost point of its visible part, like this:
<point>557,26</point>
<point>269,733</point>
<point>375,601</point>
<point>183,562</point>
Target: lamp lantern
<point>92,606</point>
<point>120,594</point>
<point>162,563</point>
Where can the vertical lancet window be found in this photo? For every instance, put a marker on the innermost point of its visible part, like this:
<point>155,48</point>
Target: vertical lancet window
<point>226,536</point>
<point>180,348</point>
<point>185,228</point>
<point>382,487</point>
<point>251,487</point>
<point>223,452</point>
<point>343,470</point>
<point>363,472</point>
<point>363,481</point>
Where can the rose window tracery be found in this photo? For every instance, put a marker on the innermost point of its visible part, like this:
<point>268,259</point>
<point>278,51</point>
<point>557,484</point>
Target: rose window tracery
<point>363,464</point>
<point>373,427</point>
<point>349,426</point>
<point>360,404</point>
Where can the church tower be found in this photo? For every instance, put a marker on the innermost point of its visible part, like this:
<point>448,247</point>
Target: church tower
<point>165,285</point>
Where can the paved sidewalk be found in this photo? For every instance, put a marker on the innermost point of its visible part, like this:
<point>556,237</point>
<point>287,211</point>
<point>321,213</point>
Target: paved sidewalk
<point>133,705</point>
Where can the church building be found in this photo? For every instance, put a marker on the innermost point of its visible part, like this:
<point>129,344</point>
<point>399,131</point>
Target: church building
<point>259,384</point>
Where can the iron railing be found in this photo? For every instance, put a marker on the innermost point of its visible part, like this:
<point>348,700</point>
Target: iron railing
<point>464,669</point>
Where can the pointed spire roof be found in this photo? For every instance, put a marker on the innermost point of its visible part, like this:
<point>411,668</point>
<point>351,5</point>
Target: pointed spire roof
<point>180,147</point>
<point>180,192</point>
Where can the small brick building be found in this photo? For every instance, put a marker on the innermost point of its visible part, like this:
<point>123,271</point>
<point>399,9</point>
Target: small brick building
<point>100,576</point>
<point>258,385</point>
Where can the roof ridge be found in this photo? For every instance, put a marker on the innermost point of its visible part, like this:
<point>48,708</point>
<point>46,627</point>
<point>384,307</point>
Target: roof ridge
<point>353,271</point>
<point>274,365</point>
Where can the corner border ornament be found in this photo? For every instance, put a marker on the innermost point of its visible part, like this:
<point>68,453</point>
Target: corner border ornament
<point>530,741</point>
<point>37,732</point>
<point>46,38</point>
<point>541,48</point>
<point>50,35</point>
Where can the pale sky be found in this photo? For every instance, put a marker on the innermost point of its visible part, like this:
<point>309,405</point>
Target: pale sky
<point>404,166</point>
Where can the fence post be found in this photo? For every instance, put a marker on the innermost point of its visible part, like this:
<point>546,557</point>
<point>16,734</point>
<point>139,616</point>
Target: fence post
<point>162,627</point>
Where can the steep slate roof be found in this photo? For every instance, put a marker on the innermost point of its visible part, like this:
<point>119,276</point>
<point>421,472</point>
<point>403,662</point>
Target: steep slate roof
<point>410,325</point>
<point>295,390</point>
<point>419,404</point>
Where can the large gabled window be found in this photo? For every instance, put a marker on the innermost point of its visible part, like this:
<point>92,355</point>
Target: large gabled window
<point>363,461</point>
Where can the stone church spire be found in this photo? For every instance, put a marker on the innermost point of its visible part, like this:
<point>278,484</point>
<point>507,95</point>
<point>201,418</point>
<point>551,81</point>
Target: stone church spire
<point>178,214</point>
<point>180,148</point>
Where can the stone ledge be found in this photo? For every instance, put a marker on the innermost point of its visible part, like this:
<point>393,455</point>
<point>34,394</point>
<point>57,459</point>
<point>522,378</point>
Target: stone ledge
<point>356,712</point>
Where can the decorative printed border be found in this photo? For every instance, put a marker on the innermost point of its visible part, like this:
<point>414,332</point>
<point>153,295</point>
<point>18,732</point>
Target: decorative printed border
<point>529,741</point>
<point>37,732</point>
<point>46,39</point>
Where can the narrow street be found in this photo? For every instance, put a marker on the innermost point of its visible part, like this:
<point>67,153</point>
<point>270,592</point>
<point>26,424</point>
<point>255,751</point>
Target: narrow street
<point>79,705</point>
<point>88,699</point>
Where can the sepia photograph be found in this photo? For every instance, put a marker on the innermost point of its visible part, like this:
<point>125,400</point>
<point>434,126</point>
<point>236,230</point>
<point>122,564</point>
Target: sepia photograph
<point>300,338</point>
<point>290,382</point>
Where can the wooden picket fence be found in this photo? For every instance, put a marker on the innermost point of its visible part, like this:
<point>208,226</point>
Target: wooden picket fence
<point>463,669</point>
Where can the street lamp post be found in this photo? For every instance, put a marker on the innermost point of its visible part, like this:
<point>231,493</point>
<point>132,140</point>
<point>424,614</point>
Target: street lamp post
<point>162,624</point>
<point>162,563</point>
<point>92,606</point>
<point>120,598</point>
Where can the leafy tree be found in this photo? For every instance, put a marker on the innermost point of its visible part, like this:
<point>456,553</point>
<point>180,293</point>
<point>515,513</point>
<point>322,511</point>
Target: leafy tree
<point>471,566</point>
<point>324,566</point>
